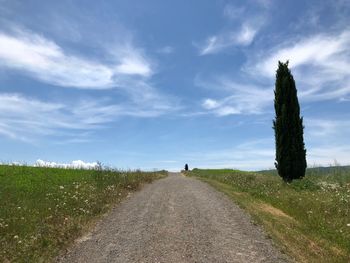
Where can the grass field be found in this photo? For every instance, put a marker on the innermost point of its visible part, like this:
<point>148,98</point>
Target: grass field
<point>42,210</point>
<point>309,219</point>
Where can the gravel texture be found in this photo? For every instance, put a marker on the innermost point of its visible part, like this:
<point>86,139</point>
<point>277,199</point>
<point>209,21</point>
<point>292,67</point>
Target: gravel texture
<point>175,219</point>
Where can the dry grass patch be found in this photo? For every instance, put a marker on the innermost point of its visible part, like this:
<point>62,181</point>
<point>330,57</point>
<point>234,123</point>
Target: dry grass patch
<point>264,207</point>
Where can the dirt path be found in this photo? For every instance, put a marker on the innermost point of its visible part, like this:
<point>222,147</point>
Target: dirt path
<point>176,219</point>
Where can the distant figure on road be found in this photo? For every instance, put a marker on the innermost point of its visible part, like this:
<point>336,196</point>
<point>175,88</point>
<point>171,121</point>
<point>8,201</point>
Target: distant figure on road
<point>186,167</point>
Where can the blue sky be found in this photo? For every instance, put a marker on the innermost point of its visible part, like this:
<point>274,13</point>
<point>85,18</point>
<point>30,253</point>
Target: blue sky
<point>157,84</point>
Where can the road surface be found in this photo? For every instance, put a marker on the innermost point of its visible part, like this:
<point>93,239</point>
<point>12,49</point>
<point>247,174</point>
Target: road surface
<point>175,219</point>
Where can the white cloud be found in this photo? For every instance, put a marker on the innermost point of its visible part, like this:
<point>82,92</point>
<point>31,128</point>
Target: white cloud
<point>247,22</point>
<point>133,66</point>
<point>28,119</point>
<point>227,110</point>
<point>246,35</point>
<point>320,65</point>
<point>210,104</point>
<point>46,61</point>
<point>131,61</point>
<point>42,59</point>
<point>243,37</point>
<point>24,118</point>
<point>243,99</point>
<point>210,46</point>
<point>319,50</point>
<point>78,164</point>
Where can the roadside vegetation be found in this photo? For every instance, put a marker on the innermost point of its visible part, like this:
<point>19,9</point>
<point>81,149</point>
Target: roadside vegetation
<point>42,210</point>
<point>308,218</point>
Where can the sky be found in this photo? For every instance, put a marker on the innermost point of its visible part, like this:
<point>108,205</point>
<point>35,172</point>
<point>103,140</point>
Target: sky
<point>156,84</point>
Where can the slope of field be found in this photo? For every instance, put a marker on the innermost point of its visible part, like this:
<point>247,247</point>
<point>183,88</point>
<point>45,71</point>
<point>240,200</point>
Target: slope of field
<point>309,218</point>
<point>42,210</point>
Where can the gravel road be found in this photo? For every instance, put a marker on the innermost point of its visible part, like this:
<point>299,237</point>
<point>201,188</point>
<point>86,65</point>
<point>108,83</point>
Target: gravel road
<point>175,219</point>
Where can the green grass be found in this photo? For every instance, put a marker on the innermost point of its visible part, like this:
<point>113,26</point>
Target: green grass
<point>309,218</point>
<point>42,210</point>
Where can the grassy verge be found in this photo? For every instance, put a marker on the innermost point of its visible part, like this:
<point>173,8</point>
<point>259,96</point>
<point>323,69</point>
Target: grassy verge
<point>309,218</point>
<point>42,210</point>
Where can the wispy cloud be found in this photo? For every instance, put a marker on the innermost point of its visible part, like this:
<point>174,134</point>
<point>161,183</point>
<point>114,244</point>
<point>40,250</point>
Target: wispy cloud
<point>242,98</point>
<point>39,118</point>
<point>127,69</point>
<point>245,23</point>
<point>45,60</point>
<point>320,64</point>
<point>243,37</point>
<point>319,51</point>
<point>46,118</point>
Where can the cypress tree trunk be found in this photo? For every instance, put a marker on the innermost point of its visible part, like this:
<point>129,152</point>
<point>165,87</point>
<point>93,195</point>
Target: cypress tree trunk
<point>288,126</point>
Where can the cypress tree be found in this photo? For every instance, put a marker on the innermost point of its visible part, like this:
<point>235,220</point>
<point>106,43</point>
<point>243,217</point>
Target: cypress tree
<point>186,167</point>
<point>288,126</point>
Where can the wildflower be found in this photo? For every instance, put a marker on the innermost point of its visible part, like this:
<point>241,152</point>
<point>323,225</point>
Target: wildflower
<point>15,237</point>
<point>61,187</point>
<point>348,225</point>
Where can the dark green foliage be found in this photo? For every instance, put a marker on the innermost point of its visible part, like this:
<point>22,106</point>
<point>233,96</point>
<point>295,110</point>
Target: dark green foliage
<point>186,167</point>
<point>288,126</point>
